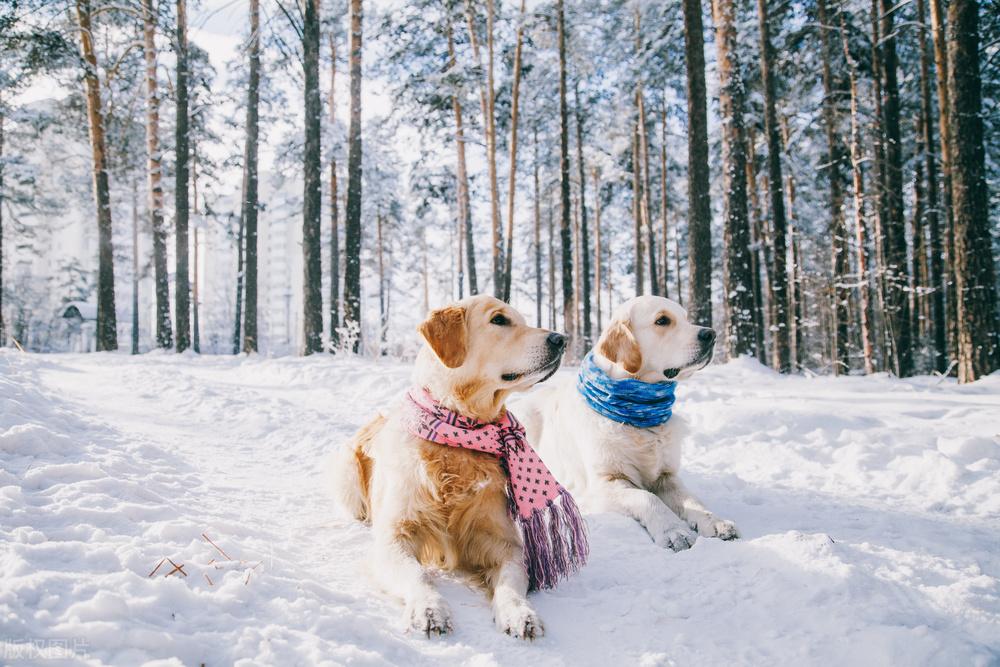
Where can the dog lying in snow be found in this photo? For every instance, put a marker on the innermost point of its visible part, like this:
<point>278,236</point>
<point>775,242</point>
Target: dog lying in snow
<point>485,505</point>
<point>610,436</point>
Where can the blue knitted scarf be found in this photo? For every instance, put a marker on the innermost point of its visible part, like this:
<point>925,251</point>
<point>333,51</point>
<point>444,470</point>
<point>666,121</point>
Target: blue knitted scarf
<point>629,401</point>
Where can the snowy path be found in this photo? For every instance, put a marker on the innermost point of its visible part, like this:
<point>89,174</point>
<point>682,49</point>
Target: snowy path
<point>869,507</point>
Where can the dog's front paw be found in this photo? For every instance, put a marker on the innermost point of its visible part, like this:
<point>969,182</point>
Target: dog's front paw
<point>724,529</point>
<point>676,537</point>
<point>518,621</point>
<point>429,615</point>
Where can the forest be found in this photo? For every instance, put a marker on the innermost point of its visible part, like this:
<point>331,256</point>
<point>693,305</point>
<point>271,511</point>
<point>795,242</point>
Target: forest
<point>818,180</point>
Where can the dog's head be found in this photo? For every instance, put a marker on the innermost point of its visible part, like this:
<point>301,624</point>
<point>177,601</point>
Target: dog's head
<point>650,338</point>
<point>479,350</point>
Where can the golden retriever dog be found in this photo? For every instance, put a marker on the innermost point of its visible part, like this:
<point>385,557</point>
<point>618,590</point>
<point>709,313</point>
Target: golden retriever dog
<point>431,505</point>
<point>617,467</point>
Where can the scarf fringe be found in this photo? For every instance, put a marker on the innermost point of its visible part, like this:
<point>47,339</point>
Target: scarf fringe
<point>555,542</point>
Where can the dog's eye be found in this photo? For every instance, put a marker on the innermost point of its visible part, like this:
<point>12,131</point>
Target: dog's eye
<point>662,321</point>
<point>500,320</point>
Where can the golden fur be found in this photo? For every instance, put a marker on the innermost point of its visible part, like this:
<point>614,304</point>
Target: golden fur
<point>447,507</point>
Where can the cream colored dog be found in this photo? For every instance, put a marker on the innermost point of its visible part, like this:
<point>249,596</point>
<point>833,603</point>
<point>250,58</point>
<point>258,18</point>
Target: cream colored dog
<point>615,467</point>
<point>446,507</point>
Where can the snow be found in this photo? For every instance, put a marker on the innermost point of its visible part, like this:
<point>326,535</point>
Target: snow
<point>869,511</point>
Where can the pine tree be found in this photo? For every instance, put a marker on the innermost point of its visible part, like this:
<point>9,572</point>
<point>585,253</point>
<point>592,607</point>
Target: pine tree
<point>334,209</point>
<point>565,226</point>
<point>164,333</point>
<point>312,262</point>
<point>352,229</point>
<point>737,277</point>
<point>978,327</point>
<point>182,285</point>
<point>699,202</point>
<point>779,273</point>
<point>107,326</point>
<point>250,206</point>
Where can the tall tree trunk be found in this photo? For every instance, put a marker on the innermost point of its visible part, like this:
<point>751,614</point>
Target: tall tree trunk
<point>240,268</point>
<point>312,198</point>
<point>637,209</point>
<point>840,264</point>
<point>334,207</point>
<point>352,231</point>
<point>3,332</point>
<point>107,326</point>
<point>512,178</point>
<point>464,205</point>
<point>664,203</point>
<point>640,161</point>
<point>584,231</point>
<point>552,270</point>
<point>879,184</point>
<point>738,279</point>
<point>919,278</point>
<point>538,240</point>
<point>897,280</point>
<point>164,335</point>
<point>699,202</point>
<point>487,102</point>
<point>250,204</point>
<point>779,276</point>
<point>565,227</point>
<point>382,304</point>
<point>195,287</point>
<point>942,70</point>
<point>597,249</point>
<point>858,187</point>
<point>755,251</point>
<point>182,282</point>
<point>135,268</point>
<point>978,334</point>
<point>937,280</point>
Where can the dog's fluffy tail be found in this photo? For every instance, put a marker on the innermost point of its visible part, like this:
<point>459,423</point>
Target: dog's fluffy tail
<point>350,471</point>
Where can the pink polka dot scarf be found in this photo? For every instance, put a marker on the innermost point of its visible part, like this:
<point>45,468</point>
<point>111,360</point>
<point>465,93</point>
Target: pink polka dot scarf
<point>554,533</point>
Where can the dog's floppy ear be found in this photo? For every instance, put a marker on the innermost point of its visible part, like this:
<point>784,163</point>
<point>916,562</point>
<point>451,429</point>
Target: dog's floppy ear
<point>620,346</point>
<point>444,331</point>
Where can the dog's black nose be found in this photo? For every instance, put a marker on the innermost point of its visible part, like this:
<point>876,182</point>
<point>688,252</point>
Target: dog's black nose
<point>706,336</point>
<point>556,340</point>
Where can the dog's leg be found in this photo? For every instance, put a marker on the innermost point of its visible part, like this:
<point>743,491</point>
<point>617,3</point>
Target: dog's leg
<point>666,529</point>
<point>399,573</point>
<point>511,611</point>
<point>677,497</point>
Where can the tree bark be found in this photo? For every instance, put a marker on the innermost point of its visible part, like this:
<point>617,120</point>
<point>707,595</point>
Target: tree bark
<point>195,289</point>
<point>840,261</point>
<point>584,231</point>
<point>512,178</point>
<point>699,202</point>
<point>637,210</point>
<point>565,227</point>
<point>937,280</point>
<point>135,268</point>
<point>664,204</point>
<point>250,204</point>
<point>858,187</point>
<point>334,207</point>
<point>978,335</point>
<point>487,102</point>
<point>756,249</point>
<point>641,166</point>
<point>737,276</point>
<point>779,275</point>
<point>464,205</point>
<point>538,240</point>
<point>941,70</point>
<point>352,231</point>
<point>164,334</point>
<point>182,283</point>
<point>107,326</point>
<point>312,198</point>
<point>597,249</point>
<point>894,227</point>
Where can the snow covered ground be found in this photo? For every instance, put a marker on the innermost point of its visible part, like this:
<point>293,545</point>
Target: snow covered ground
<point>870,510</point>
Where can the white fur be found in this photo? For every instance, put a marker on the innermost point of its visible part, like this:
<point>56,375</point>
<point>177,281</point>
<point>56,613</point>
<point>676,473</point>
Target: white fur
<point>619,468</point>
